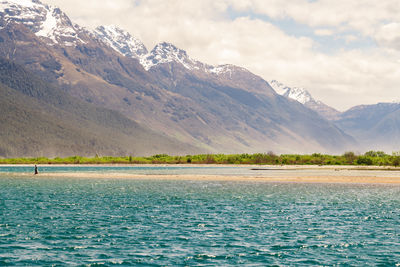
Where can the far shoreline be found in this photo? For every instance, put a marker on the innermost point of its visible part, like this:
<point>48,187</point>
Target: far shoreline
<point>370,159</point>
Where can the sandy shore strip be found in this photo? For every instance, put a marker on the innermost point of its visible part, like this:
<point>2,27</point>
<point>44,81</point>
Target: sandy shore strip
<point>250,166</point>
<point>290,179</point>
<point>263,173</point>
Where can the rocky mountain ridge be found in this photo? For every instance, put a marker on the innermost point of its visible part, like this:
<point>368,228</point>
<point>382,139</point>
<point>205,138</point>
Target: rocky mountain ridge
<point>128,45</point>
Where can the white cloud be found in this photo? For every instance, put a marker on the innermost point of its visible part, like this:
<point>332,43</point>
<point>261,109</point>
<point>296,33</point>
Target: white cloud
<point>323,32</point>
<point>359,15</point>
<point>389,35</point>
<point>205,30</point>
<point>349,38</point>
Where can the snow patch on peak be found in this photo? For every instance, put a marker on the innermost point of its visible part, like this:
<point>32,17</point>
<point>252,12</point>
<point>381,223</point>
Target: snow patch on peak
<point>48,25</point>
<point>280,88</point>
<point>121,41</point>
<point>297,93</point>
<point>226,69</point>
<point>303,96</point>
<point>167,52</point>
<point>221,69</point>
<point>58,27</point>
<point>43,20</point>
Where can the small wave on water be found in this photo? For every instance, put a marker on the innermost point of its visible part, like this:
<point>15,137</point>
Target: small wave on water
<point>108,222</point>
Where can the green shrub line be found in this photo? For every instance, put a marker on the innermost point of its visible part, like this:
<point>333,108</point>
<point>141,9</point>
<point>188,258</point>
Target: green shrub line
<point>372,158</point>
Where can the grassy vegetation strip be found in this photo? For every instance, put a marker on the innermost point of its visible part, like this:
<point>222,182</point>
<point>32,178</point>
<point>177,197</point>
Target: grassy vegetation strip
<point>376,158</point>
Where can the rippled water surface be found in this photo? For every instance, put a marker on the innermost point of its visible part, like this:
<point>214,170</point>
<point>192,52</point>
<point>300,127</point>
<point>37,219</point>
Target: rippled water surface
<point>68,221</point>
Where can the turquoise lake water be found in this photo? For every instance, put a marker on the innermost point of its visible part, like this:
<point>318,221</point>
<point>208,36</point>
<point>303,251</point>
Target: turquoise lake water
<point>48,221</point>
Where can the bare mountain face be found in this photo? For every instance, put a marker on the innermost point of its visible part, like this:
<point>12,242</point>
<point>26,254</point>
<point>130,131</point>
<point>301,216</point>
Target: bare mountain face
<point>41,120</point>
<point>375,126</point>
<point>216,108</point>
<point>303,96</point>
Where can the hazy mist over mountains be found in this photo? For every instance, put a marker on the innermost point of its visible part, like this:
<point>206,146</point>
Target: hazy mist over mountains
<point>66,90</point>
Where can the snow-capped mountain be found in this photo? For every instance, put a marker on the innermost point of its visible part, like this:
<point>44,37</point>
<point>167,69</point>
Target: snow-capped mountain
<point>222,108</point>
<point>54,27</point>
<point>303,96</point>
<point>297,93</point>
<point>167,52</point>
<point>43,20</point>
<point>121,41</point>
<point>130,46</point>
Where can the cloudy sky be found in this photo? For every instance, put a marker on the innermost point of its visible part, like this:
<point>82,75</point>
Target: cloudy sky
<point>345,52</point>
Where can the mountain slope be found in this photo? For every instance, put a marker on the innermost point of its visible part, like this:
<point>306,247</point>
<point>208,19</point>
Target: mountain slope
<point>303,96</point>
<point>170,64</point>
<point>38,119</point>
<point>265,116</point>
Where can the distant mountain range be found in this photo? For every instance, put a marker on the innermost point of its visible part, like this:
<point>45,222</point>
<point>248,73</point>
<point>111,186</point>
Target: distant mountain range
<point>374,126</point>
<point>168,102</point>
